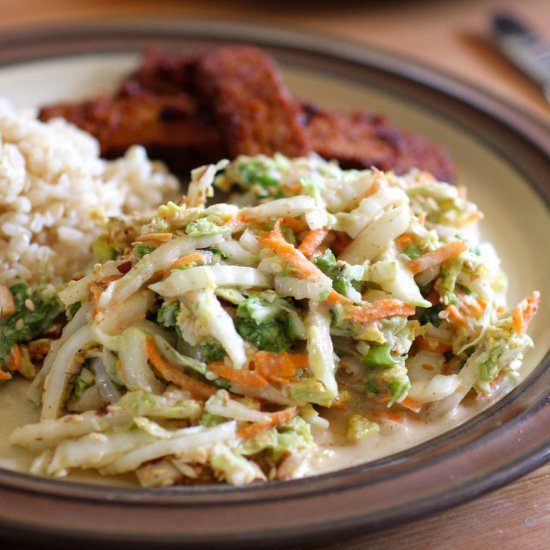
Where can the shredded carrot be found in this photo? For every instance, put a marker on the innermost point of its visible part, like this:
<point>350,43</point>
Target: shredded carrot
<point>337,298</point>
<point>183,261</point>
<point>245,378</point>
<point>279,367</point>
<point>277,418</point>
<point>523,318</point>
<point>275,241</point>
<point>428,367</point>
<point>294,223</point>
<point>455,316</point>
<point>395,416</point>
<point>470,305</point>
<point>469,218</point>
<point>517,319</point>
<point>340,243</point>
<point>196,388</point>
<point>312,241</point>
<point>411,404</point>
<point>293,187</point>
<point>426,343</point>
<point>154,238</point>
<point>422,218</point>
<point>235,222</point>
<point>372,190</point>
<point>238,223</point>
<point>15,359</point>
<point>405,240</point>
<point>5,375</point>
<point>442,254</point>
<point>381,309</point>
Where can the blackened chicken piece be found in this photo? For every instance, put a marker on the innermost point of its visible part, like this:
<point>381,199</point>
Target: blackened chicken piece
<point>363,140</point>
<point>190,109</point>
<point>254,109</point>
<point>162,74</point>
<point>171,128</point>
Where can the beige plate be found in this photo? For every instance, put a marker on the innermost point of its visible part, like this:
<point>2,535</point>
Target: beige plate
<point>502,156</point>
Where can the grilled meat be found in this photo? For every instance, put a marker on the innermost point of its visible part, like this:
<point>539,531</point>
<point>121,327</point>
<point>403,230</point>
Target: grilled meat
<point>169,127</point>
<point>191,109</point>
<point>363,140</point>
<point>254,109</point>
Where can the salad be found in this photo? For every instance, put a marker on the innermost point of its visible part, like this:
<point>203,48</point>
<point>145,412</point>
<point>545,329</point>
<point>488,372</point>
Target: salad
<point>207,343</point>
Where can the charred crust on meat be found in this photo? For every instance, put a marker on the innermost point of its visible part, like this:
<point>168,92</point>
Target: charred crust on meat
<point>193,108</point>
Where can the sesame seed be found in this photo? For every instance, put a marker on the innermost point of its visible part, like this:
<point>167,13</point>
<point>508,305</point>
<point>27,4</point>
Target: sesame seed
<point>29,304</point>
<point>19,324</point>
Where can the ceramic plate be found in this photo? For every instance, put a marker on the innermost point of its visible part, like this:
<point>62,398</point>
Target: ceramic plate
<point>501,155</point>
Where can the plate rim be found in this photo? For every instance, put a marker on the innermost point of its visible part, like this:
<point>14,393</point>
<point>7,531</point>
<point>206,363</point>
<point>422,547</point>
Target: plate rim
<point>523,124</point>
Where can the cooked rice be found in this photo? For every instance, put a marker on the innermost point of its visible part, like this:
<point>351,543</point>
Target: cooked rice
<point>56,194</point>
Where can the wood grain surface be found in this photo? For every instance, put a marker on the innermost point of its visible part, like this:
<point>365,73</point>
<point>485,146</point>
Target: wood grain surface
<point>452,36</point>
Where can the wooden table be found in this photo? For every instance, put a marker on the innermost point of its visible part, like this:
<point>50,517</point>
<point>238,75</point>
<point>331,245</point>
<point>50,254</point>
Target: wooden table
<point>450,36</point>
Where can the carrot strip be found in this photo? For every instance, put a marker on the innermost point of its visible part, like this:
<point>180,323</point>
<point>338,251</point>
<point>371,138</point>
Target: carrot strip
<point>187,260</point>
<point>154,238</point>
<point>432,344</point>
<point>183,261</point>
<point>277,418</point>
<point>404,240</point>
<point>196,388</point>
<point>411,404</point>
<point>236,223</point>
<point>245,378</point>
<point>279,367</point>
<point>395,416</point>
<point>275,241</point>
<point>517,319</point>
<point>294,223</point>
<point>455,316</point>
<point>5,375</point>
<point>531,307</point>
<point>15,359</point>
<point>312,241</point>
<point>470,305</point>
<point>442,254</point>
<point>337,298</point>
<point>381,309</point>
<point>469,218</point>
<point>293,187</point>
<point>372,190</point>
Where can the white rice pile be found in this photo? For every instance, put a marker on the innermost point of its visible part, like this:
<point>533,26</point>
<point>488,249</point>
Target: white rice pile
<point>56,193</point>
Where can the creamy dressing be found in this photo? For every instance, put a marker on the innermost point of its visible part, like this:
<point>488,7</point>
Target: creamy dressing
<point>16,410</point>
<point>392,438</point>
